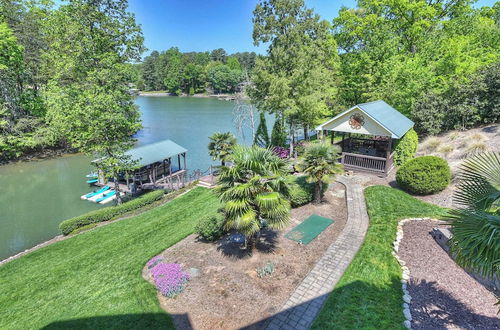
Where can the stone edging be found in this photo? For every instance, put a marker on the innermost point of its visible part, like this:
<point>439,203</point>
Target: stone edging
<point>405,270</point>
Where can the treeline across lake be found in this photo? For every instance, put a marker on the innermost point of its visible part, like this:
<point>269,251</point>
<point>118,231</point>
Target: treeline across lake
<point>194,72</point>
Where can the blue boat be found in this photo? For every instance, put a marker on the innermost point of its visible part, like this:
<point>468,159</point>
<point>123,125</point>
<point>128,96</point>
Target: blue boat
<point>106,196</point>
<point>95,192</point>
<point>91,181</point>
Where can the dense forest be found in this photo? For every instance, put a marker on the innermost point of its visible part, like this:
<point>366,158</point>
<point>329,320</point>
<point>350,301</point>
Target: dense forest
<point>66,71</point>
<point>194,72</point>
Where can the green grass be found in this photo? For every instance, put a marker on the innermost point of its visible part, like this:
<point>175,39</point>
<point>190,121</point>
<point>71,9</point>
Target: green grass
<point>368,296</point>
<point>93,280</point>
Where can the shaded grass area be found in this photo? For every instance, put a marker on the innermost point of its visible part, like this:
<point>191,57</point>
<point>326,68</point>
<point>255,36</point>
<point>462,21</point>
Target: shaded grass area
<point>94,279</point>
<point>369,294</point>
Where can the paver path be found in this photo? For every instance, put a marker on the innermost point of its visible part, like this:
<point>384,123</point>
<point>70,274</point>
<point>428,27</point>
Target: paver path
<point>306,301</point>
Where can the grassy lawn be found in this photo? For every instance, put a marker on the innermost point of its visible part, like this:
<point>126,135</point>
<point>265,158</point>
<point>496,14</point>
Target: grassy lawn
<point>93,280</point>
<point>369,294</point>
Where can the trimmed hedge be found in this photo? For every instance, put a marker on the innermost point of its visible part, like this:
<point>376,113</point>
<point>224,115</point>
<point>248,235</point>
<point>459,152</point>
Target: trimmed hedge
<point>406,147</point>
<point>210,228</point>
<point>301,191</point>
<point>424,175</point>
<point>68,226</point>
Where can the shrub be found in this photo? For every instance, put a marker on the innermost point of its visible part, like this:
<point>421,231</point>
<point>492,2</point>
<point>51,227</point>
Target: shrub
<point>68,226</point>
<point>281,152</point>
<point>446,150</point>
<point>424,175</point>
<point>301,191</point>
<point>210,228</point>
<point>406,147</point>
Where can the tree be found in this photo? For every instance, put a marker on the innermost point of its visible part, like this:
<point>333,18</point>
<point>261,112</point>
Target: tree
<point>218,55</point>
<point>297,78</point>
<point>476,226</point>
<point>261,138</point>
<point>221,146</point>
<point>278,134</point>
<point>320,163</point>
<point>254,191</point>
<point>149,72</point>
<point>89,102</point>
<point>222,78</point>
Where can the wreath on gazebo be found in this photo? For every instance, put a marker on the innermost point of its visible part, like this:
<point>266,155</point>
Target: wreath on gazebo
<point>356,121</point>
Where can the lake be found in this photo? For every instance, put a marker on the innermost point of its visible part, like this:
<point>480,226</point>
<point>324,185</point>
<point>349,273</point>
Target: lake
<point>36,196</point>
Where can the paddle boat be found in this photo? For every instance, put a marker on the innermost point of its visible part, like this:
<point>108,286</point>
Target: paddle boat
<point>107,197</point>
<point>92,181</point>
<point>98,193</point>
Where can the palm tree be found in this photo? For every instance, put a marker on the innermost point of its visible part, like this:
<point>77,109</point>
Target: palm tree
<point>221,146</point>
<point>476,226</point>
<point>254,191</point>
<point>320,163</point>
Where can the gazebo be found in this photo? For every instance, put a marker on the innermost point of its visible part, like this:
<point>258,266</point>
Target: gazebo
<point>368,130</point>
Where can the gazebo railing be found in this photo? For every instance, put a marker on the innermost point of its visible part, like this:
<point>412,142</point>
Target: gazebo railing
<point>366,163</point>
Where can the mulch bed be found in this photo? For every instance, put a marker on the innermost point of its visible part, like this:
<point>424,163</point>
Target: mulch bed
<point>227,293</point>
<point>443,295</point>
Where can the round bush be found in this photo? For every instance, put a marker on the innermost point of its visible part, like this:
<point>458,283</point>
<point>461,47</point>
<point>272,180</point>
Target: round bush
<point>211,228</point>
<point>406,147</point>
<point>424,175</point>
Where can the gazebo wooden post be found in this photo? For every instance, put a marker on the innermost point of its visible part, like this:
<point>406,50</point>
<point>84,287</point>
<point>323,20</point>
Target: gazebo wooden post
<point>332,137</point>
<point>185,168</point>
<point>170,173</point>
<point>388,156</point>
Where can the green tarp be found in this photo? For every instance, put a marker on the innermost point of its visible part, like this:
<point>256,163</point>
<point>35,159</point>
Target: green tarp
<point>309,229</point>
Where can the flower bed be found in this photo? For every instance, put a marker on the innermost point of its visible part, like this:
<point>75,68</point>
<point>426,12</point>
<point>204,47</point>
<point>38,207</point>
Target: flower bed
<point>169,278</point>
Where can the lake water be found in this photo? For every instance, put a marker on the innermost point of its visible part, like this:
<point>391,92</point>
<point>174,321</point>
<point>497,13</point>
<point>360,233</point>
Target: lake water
<point>36,196</point>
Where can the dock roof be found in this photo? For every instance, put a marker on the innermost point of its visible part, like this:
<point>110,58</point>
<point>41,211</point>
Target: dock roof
<point>155,152</point>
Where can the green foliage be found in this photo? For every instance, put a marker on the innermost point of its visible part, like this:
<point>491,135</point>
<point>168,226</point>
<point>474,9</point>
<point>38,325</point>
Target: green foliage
<point>278,134</point>
<point>320,163</point>
<point>221,146</point>
<point>254,188</point>
<point>400,51</point>
<point>424,175</point>
<point>374,275</point>
<point>261,138</point>
<point>467,104</point>
<point>192,72</point>
<point>297,77</point>
<point>301,192</point>
<point>108,261</point>
<point>210,228</point>
<point>476,227</point>
<point>106,214</point>
<point>406,147</point>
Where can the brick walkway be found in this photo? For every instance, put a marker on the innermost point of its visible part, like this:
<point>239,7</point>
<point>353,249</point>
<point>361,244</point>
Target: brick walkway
<point>306,301</point>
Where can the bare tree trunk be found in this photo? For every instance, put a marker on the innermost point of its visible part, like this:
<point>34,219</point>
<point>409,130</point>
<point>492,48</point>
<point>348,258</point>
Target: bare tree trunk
<point>306,133</point>
<point>292,139</point>
<point>317,192</point>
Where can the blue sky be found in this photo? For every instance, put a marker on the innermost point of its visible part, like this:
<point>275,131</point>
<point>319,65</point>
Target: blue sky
<point>200,25</point>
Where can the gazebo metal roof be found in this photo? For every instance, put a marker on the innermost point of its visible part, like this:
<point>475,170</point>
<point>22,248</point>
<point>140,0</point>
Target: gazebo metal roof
<point>155,152</point>
<point>383,114</point>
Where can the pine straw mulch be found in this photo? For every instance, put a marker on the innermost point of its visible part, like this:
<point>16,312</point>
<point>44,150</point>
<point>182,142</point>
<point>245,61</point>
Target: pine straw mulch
<point>227,293</point>
<point>443,295</point>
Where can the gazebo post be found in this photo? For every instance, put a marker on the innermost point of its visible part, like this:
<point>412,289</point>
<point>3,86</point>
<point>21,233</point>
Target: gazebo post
<point>387,156</point>
<point>332,137</point>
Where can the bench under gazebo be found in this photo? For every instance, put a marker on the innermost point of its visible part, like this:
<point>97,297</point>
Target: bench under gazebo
<point>367,131</point>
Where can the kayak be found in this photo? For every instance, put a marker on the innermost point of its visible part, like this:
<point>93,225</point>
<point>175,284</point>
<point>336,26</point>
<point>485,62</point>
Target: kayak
<point>95,192</point>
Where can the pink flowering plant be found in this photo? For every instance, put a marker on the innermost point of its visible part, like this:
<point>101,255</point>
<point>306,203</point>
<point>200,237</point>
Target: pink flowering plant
<point>281,152</point>
<point>169,278</point>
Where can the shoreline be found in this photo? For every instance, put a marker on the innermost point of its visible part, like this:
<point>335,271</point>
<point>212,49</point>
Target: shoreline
<point>226,97</point>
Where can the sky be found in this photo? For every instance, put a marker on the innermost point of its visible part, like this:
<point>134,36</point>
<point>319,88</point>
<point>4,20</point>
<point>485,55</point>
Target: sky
<point>204,25</point>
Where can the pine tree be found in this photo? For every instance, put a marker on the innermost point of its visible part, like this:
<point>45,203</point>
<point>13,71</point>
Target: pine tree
<point>278,135</point>
<point>261,138</point>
